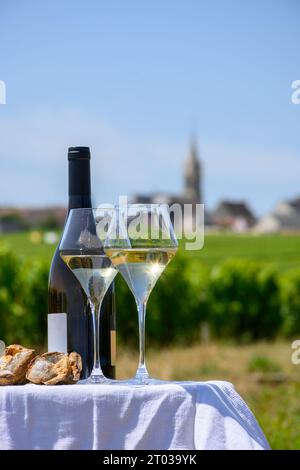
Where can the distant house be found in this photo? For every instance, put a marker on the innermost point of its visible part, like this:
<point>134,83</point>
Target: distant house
<point>284,218</point>
<point>233,215</point>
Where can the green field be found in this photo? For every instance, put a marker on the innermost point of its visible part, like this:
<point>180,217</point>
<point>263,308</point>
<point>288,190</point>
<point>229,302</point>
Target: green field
<point>22,246</point>
<point>280,250</point>
<point>283,251</point>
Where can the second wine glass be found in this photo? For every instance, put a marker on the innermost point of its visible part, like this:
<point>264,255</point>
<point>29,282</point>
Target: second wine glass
<point>141,243</point>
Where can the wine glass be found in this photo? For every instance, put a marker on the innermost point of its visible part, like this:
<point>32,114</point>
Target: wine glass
<point>81,248</point>
<point>140,243</point>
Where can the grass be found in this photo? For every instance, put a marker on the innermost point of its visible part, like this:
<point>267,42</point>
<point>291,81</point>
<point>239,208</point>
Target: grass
<point>263,364</point>
<point>282,251</point>
<point>262,373</point>
<point>22,245</point>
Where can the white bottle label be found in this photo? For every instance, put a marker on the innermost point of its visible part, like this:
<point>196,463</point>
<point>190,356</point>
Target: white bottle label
<point>57,332</point>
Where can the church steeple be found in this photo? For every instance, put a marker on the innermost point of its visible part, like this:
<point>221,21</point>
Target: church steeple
<point>192,175</point>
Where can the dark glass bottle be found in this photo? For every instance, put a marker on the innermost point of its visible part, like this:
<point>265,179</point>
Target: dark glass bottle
<point>69,318</point>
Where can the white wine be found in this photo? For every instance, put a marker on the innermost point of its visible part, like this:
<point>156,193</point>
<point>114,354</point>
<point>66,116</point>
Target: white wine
<point>141,267</point>
<point>95,273</point>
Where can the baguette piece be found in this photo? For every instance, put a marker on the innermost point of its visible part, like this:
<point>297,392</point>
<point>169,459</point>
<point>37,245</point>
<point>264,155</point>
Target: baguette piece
<point>54,368</point>
<point>14,364</point>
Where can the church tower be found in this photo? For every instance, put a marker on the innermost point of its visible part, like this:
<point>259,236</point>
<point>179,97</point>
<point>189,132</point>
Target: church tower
<point>192,176</point>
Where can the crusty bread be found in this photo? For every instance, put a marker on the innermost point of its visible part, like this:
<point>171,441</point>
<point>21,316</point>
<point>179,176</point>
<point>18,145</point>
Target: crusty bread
<point>55,368</point>
<point>14,364</point>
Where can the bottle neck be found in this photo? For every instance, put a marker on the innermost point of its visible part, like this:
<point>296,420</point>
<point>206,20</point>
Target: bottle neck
<point>78,202</point>
<point>79,184</point>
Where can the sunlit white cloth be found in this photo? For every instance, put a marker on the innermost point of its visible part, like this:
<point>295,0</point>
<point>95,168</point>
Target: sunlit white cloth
<point>181,415</point>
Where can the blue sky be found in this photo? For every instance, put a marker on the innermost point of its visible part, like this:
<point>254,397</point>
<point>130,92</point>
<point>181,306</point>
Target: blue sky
<point>132,79</point>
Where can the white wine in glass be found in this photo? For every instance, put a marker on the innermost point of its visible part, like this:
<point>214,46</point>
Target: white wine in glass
<point>81,248</point>
<point>140,244</point>
<point>94,272</point>
<point>141,267</point>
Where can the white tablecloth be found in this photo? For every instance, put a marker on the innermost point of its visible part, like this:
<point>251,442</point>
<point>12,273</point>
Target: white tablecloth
<point>181,415</point>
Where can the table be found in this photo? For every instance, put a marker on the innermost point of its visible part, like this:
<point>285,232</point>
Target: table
<point>175,415</point>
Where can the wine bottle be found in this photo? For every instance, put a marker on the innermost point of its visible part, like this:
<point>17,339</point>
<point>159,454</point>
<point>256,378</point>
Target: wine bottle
<point>69,318</point>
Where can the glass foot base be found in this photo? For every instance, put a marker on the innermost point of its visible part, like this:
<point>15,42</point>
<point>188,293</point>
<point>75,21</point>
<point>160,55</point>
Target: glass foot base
<point>141,377</point>
<point>97,377</point>
<point>98,380</point>
<point>139,381</point>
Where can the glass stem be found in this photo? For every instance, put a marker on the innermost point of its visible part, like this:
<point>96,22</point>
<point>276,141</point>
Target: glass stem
<point>142,372</point>
<point>97,371</point>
